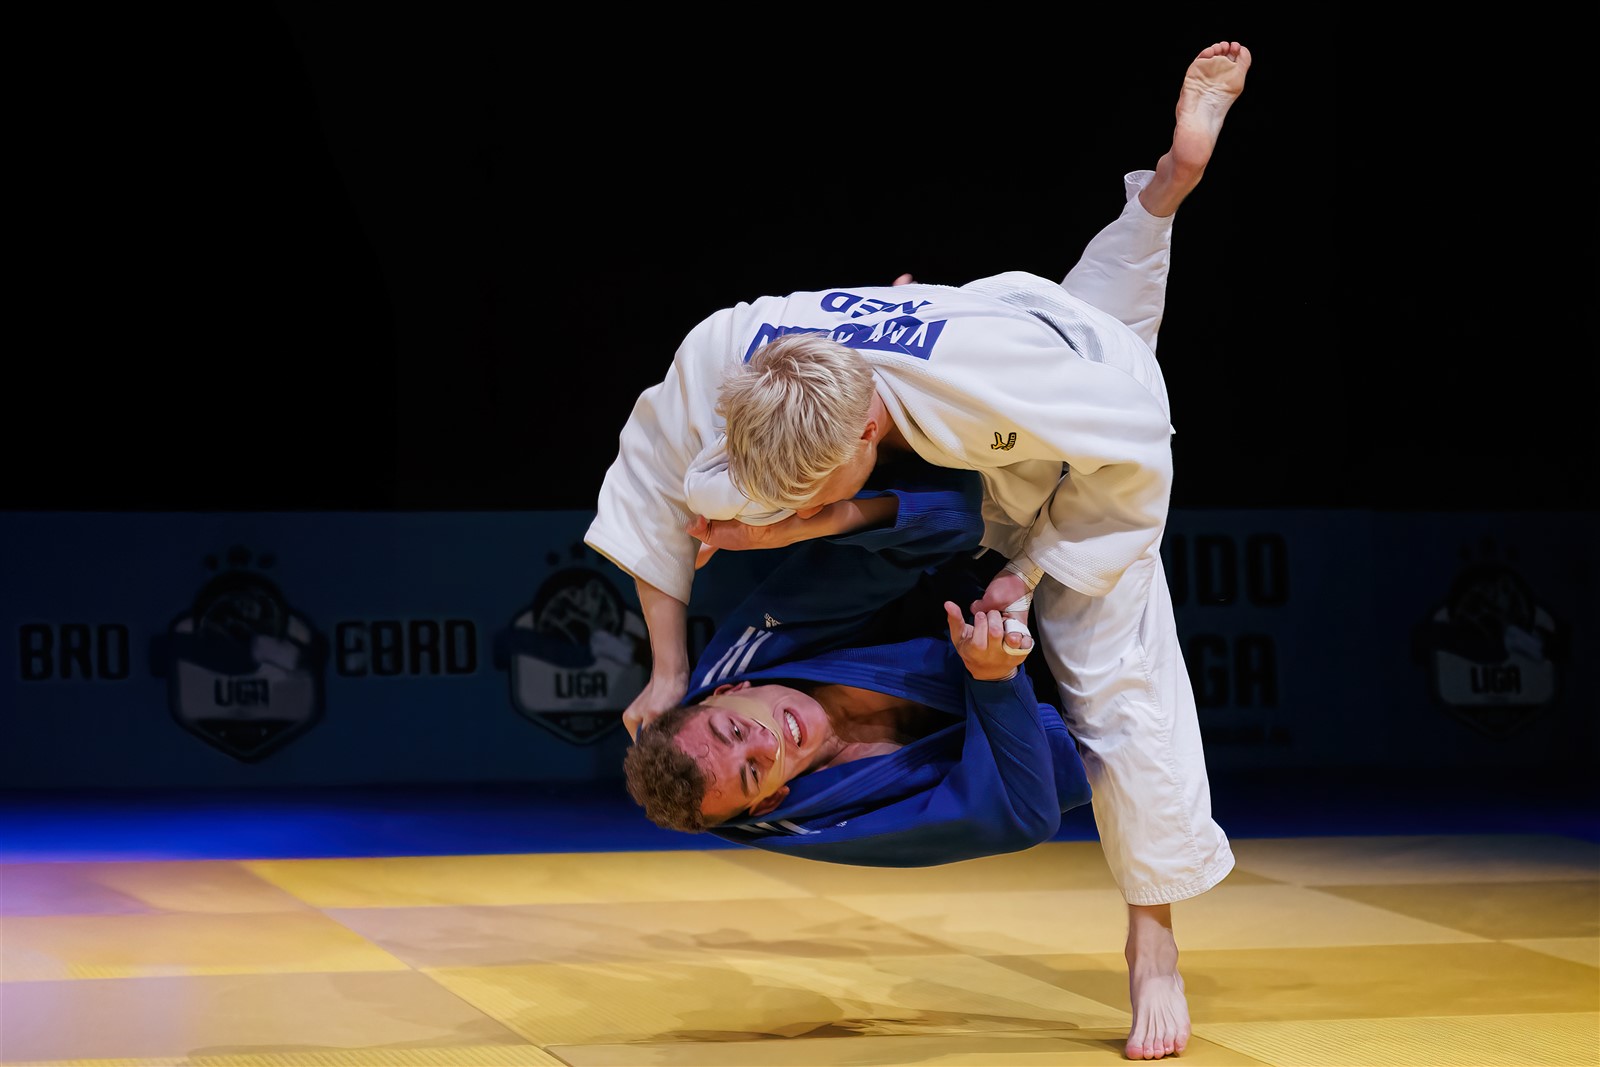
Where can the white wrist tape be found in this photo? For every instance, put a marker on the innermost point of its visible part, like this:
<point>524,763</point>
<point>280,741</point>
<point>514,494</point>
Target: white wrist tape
<point>1030,575</point>
<point>1027,570</point>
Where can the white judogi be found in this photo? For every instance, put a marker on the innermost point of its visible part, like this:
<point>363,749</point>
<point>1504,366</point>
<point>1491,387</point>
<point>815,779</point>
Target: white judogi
<point>1053,393</point>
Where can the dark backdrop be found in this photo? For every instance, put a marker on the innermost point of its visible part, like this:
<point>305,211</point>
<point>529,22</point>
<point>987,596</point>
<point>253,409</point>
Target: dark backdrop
<point>311,256</point>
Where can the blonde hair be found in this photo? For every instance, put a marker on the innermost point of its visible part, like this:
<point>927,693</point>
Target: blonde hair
<point>794,415</point>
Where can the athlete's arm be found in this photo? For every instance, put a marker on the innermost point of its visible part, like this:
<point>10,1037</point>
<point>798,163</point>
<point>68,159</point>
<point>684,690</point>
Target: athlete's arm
<point>841,517</point>
<point>667,620</point>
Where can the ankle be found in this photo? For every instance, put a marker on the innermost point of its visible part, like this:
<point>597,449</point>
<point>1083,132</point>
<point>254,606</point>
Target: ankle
<point>1172,183</point>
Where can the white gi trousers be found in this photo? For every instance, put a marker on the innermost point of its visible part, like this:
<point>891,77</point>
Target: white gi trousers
<point>1116,659</point>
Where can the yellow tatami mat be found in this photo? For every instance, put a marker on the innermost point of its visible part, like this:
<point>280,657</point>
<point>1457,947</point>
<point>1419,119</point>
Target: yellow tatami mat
<point>1476,951</point>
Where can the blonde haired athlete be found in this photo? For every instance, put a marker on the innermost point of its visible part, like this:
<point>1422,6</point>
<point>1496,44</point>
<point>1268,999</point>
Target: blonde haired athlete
<point>1052,392</point>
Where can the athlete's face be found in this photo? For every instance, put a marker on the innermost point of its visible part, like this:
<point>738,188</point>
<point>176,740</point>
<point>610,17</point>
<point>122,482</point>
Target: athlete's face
<point>750,742</point>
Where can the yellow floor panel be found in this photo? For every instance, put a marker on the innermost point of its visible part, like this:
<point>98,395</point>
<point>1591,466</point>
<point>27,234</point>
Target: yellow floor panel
<point>1015,1048</point>
<point>1053,865</point>
<point>448,1056</point>
<point>1578,949</point>
<point>258,1015</point>
<point>540,878</point>
<point>1321,952</point>
<point>38,948</point>
<point>122,888</point>
<point>1493,909</point>
<point>1347,983</point>
<point>746,998</point>
<point>1001,923</point>
<point>600,933</point>
<point>994,922</point>
<point>1401,860</point>
<point>1459,1041</point>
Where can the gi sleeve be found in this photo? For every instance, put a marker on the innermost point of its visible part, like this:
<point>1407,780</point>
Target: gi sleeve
<point>827,592</point>
<point>710,491</point>
<point>642,515</point>
<point>1001,796</point>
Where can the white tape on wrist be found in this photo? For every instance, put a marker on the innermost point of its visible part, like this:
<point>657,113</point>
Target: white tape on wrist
<point>1030,574</point>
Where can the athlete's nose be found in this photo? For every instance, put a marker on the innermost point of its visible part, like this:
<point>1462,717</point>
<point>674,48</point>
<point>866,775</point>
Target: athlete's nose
<point>763,743</point>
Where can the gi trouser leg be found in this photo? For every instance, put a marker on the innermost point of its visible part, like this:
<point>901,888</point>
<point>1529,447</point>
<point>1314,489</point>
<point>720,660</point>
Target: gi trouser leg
<point>1116,659</point>
<point>1128,702</point>
<point>1123,269</point>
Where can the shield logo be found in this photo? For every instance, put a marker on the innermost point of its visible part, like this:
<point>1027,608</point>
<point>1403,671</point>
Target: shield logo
<point>244,670</point>
<point>576,657</point>
<point>1492,650</point>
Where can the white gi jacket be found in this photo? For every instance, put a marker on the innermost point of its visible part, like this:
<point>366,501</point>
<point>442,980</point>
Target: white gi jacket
<point>1058,405</point>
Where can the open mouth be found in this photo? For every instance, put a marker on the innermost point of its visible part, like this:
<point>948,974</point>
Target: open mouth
<point>793,726</point>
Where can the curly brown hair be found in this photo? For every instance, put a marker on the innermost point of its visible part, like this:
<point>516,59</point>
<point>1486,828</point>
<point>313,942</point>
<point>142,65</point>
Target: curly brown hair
<point>663,779</point>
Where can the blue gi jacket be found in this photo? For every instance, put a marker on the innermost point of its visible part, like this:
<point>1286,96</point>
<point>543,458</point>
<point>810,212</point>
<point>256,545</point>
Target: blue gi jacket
<point>995,780</point>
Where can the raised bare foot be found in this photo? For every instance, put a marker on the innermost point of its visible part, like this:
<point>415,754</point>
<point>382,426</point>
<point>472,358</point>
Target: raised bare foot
<point>1160,1009</point>
<point>1210,86</point>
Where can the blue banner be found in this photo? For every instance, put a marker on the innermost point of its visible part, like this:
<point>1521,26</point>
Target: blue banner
<point>179,649</point>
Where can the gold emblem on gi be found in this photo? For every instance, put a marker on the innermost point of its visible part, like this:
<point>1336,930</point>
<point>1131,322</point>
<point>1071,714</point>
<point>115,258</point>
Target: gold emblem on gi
<point>1008,444</point>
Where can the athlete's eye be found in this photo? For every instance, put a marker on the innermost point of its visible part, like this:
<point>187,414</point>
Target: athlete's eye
<point>738,735</point>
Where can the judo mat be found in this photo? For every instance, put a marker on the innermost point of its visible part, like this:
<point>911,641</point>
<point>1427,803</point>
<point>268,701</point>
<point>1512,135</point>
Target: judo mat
<point>167,938</point>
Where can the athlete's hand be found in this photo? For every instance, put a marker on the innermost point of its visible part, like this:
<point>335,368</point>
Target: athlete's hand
<point>661,693</point>
<point>738,536</point>
<point>979,644</point>
<point>1005,589</point>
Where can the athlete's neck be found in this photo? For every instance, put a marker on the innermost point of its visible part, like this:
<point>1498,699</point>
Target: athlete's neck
<point>865,722</point>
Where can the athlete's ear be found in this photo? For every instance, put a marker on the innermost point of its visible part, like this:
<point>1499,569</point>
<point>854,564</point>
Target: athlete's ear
<point>730,687</point>
<point>769,804</point>
<point>875,417</point>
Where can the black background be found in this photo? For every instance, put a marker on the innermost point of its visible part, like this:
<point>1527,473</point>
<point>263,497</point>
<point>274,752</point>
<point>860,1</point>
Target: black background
<point>308,256</point>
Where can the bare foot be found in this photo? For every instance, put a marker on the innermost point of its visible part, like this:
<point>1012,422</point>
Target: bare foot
<point>1160,1009</point>
<point>1210,86</point>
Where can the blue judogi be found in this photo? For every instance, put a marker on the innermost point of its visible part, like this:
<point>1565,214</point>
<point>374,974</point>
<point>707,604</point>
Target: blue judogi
<point>996,779</point>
